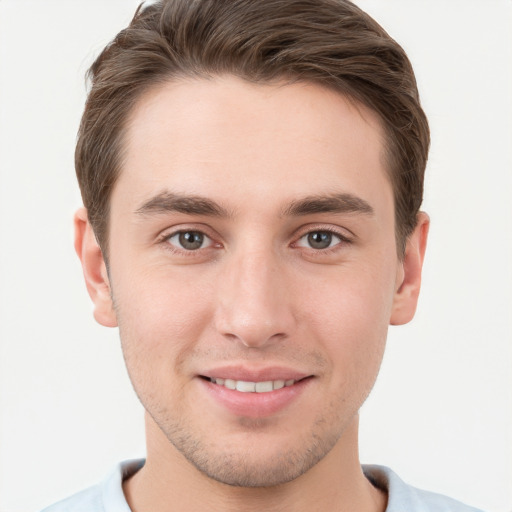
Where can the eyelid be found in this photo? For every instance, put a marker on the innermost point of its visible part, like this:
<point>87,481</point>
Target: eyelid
<point>334,236</point>
<point>206,240</point>
<point>343,233</point>
<point>340,233</point>
<point>165,235</point>
<point>184,227</point>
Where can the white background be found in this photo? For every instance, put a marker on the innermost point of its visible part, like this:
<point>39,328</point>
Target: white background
<point>441,413</point>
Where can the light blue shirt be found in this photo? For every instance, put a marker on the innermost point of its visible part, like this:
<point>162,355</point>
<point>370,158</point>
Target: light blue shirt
<point>108,495</point>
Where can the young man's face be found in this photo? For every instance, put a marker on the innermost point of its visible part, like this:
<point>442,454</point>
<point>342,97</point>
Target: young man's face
<point>252,243</point>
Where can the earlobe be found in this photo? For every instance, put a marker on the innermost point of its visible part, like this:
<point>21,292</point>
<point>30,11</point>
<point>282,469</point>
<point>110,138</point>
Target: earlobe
<point>94,268</point>
<point>409,281</point>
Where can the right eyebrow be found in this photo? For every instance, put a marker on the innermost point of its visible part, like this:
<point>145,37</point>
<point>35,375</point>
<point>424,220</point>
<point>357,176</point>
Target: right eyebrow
<point>166,202</point>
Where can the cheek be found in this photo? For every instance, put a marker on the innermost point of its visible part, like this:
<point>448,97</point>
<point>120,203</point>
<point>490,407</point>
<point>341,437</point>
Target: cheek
<point>160,322</point>
<point>160,318</point>
<point>351,313</point>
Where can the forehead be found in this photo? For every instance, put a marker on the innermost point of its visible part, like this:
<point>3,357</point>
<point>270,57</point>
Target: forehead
<point>212,136</point>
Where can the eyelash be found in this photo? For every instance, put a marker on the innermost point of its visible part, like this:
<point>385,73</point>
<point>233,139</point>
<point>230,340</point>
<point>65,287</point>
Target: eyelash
<point>343,239</point>
<point>165,238</point>
<point>164,241</point>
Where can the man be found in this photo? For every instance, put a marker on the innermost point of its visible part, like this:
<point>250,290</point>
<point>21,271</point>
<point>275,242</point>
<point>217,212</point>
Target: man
<point>252,174</point>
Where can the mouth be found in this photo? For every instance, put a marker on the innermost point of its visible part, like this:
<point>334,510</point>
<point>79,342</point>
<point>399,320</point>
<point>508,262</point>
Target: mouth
<point>245,386</point>
<point>254,392</point>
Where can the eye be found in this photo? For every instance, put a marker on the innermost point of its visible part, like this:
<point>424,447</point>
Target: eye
<point>319,240</point>
<point>189,240</point>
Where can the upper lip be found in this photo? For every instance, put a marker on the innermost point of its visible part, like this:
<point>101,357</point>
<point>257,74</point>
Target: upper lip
<point>239,372</point>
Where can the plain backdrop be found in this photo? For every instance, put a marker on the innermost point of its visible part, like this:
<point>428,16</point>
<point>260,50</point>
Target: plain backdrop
<point>441,412</point>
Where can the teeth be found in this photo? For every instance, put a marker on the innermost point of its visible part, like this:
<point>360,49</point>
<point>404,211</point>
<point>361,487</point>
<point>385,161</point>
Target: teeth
<point>245,387</point>
<point>253,387</point>
<point>278,384</point>
<point>264,387</point>
<point>230,384</point>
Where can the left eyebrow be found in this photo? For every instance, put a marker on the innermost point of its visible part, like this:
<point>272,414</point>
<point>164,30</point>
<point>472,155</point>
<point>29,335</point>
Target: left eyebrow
<point>335,203</point>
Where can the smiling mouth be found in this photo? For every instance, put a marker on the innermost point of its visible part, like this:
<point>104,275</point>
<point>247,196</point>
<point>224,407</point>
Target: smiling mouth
<point>252,387</point>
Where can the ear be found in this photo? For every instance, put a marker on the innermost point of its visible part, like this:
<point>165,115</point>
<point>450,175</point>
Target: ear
<point>409,275</point>
<point>95,270</point>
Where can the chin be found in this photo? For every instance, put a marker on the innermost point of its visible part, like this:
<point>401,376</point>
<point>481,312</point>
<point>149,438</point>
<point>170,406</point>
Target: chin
<point>238,470</point>
<point>256,458</point>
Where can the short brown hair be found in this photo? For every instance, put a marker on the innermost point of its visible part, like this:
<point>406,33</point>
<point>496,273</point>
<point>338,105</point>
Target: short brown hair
<point>328,42</point>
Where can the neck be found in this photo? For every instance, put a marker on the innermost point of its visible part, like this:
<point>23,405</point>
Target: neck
<point>169,482</point>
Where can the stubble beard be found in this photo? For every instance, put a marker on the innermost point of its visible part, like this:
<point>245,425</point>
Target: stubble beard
<point>243,466</point>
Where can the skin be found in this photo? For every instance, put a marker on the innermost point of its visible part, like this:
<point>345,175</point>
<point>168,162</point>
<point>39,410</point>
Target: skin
<point>255,294</point>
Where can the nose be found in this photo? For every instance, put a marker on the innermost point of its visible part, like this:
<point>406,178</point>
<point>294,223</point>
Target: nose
<point>254,303</point>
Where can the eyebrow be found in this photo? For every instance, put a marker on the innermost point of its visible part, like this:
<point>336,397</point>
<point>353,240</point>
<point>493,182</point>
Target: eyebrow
<point>332,203</point>
<point>166,202</point>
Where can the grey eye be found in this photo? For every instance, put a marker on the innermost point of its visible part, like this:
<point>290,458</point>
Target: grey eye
<point>189,240</point>
<point>319,240</point>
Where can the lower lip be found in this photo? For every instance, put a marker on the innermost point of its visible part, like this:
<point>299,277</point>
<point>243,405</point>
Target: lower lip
<point>256,405</point>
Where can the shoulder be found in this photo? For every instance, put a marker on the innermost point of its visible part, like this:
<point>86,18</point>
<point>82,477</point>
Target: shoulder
<point>403,497</point>
<point>106,496</point>
<point>89,500</point>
